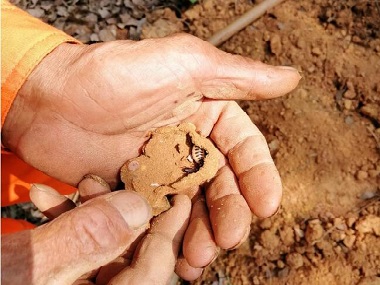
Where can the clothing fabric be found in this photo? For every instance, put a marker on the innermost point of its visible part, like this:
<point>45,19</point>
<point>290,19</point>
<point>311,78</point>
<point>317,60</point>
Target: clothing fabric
<point>25,41</point>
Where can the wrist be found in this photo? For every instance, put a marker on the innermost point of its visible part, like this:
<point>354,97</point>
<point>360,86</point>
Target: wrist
<point>38,91</point>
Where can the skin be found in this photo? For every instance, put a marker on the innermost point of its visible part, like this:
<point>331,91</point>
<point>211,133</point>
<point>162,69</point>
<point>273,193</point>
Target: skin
<point>88,109</point>
<point>100,242</point>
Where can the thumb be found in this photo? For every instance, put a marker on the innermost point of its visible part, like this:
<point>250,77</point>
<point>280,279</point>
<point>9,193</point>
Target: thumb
<point>225,76</point>
<point>89,236</point>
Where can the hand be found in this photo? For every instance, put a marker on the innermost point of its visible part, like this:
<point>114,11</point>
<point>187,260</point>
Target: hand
<point>96,241</point>
<point>88,109</point>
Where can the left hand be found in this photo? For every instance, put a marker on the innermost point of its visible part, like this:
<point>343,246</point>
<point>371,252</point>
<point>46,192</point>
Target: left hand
<point>88,109</point>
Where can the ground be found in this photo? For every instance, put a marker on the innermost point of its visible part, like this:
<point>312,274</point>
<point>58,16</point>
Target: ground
<point>324,136</point>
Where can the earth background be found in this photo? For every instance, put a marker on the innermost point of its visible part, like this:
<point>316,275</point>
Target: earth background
<point>324,136</point>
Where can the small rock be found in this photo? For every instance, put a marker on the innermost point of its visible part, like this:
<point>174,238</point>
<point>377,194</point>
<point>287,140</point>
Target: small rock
<point>287,236</point>
<point>373,172</point>
<point>111,21</point>
<point>347,104</point>
<point>62,11</point>
<point>269,239</point>
<point>367,195</point>
<point>316,51</point>
<point>361,175</point>
<point>294,260</point>
<point>368,224</point>
<point>266,224</point>
<point>370,280</point>
<point>298,231</point>
<point>91,18</point>
<point>36,12</point>
<point>106,35</point>
<point>275,44</point>
<point>349,120</point>
<point>280,264</point>
<point>274,145</point>
<point>340,224</point>
<point>337,236</point>
<point>104,13</point>
<point>301,43</point>
<point>371,110</point>
<point>283,273</point>
<point>349,241</point>
<point>125,17</point>
<point>349,94</point>
<point>350,221</point>
<point>314,231</point>
<point>94,38</point>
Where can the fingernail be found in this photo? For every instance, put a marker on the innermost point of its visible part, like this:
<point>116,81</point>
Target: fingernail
<point>285,67</point>
<point>135,209</point>
<point>275,213</point>
<point>217,251</point>
<point>246,234</point>
<point>97,179</point>
<point>92,186</point>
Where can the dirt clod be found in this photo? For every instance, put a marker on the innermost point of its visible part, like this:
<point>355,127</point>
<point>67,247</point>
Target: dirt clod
<point>174,161</point>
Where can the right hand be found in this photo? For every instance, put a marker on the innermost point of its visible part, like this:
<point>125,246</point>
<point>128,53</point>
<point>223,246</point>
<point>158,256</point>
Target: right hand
<point>96,242</point>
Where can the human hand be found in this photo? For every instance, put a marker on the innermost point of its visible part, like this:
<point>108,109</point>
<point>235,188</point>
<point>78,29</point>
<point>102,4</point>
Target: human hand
<point>96,242</point>
<point>88,109</point>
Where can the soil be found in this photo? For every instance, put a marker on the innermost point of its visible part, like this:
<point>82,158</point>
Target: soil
<point>189,158</point>
<point>324,136</point>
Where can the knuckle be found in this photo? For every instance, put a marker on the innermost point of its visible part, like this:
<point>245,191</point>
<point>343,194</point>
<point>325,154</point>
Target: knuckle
<point>95,230</point>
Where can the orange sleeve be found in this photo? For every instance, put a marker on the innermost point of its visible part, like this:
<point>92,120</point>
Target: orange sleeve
<point>25,41</point>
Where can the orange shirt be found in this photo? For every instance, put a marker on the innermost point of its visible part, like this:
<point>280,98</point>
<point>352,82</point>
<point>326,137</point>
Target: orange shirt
<point>25,41</point>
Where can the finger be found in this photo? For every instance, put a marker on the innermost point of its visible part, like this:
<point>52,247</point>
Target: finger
<point>199,247</point>
<point>230,215</point>
<point>238,138</point>
<point>237,77</point>
<point>83,282</point>
<point>226,76</point>
<point>92,186</point>
<point>107,272</point>
<point>50,202</point>
<point>222,75</point>
<point>155,259</point>
<point>89,236</point>
<point>186,271</point>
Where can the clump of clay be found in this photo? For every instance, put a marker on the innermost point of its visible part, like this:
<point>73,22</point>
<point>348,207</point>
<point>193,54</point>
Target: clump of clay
<point>174,160</point>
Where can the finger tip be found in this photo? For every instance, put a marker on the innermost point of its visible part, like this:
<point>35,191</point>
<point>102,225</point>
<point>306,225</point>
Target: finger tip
<point>202,256</point>
<point>181,200</point>
<point>186,271</point>
<point>230,217</point>
<point>262,188</point>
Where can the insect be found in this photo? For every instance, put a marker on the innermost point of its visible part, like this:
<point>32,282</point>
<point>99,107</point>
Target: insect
<point>197,156</point>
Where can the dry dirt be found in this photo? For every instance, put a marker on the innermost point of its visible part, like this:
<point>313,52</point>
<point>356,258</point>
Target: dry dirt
<point>189,159</point>
<point>324,136</point>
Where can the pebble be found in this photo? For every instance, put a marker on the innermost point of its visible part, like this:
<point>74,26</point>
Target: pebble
<point>36,12</point>
<point>314,231</point>
<point>349,94</point>
<point>347,104</point>
<point>294,260</point>
<point>266,224</point>
<point>106,35</point>
<point>349,120</point>
<point>368,224</point>
<point>349,241</point>
<point>361,175</point>
<point>275,44</point>
<point>269,239</point>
